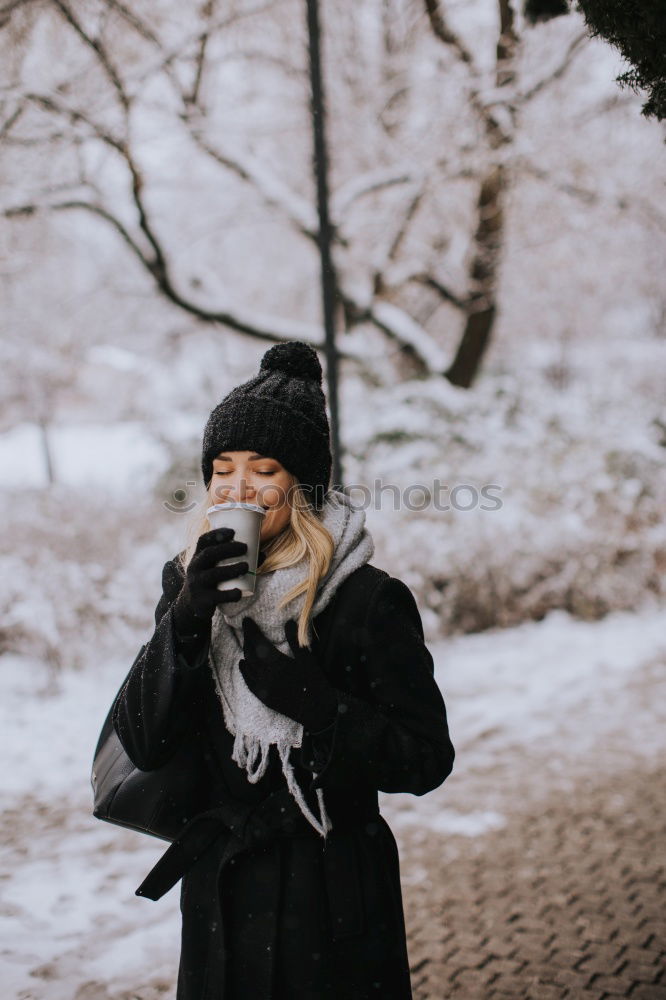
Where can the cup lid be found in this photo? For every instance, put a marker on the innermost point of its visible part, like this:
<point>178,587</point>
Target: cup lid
<point>236,503</point>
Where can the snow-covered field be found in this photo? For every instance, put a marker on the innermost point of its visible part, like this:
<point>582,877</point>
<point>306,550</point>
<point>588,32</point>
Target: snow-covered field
<point>582,695</point>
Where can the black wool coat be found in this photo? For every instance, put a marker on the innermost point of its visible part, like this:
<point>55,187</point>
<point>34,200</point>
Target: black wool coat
<point>271,911</point>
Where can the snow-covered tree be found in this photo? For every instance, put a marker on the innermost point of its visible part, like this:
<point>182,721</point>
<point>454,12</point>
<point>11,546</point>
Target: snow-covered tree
<point>185,131</point>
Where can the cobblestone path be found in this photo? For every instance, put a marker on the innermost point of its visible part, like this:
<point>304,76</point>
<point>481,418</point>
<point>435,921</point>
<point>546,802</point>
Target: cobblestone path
<point>567,900</point>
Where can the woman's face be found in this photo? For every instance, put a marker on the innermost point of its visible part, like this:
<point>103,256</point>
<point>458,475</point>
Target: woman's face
<point>252,478</point>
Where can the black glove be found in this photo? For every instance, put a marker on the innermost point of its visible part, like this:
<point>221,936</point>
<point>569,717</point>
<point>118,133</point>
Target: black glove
<point>294,687</point>
<point>195,605</point>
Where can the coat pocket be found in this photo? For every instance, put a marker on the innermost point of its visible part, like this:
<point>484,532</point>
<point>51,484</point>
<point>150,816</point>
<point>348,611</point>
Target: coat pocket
<point>343,887</point>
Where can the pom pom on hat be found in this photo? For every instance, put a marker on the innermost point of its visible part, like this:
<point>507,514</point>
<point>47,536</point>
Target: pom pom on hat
<point>295,358</point>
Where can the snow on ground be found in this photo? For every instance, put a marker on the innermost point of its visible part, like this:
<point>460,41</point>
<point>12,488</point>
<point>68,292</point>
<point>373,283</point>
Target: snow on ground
<point>560,690</point>
<point>555,699</point>
<point>122,456</point>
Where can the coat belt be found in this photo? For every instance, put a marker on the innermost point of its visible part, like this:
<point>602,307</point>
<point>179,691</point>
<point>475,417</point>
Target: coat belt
<point>245,826</point>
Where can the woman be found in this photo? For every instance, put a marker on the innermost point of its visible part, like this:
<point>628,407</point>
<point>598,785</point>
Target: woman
<point>304,700</point>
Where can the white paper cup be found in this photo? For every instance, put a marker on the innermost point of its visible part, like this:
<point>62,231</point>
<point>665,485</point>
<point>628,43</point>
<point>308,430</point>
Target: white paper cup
<point>246,520</point>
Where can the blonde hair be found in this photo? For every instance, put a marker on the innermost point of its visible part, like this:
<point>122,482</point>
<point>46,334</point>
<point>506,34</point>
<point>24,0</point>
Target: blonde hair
<point>304,535</point>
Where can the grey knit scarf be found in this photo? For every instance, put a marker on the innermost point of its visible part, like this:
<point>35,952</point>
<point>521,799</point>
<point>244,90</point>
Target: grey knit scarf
<point>254,726</point>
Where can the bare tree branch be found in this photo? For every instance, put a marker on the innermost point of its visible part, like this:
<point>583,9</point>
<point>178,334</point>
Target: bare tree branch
<point>586,195</point>
<point>265,328</point>
<point>262,328</point>
<point>444,292</point>
<point>8,9</point>
<point>442,31</point>
<point>398,326</point>
<point>401,232</point>
<point>48,103</point>
<point>389,127</point>
<point>158,264</point>
<point>573,46</point>
<point>269,59</point>
<point>194,39</point>
<point>134,21</point>
<point>495,128</point>
<point>16,211</point>
<point>207,12</point>
<point>590,196</point>
<point>368,183</point>
<point>27,142</point>
<point>609,103</point>
<point>505,70</point>
<point>299,211</point>
<point>98,48</point>
<point>34,208</point>
<point>116,224</point>
<point>393,247</point>
<point>401,328</point>
<point>8,125</point>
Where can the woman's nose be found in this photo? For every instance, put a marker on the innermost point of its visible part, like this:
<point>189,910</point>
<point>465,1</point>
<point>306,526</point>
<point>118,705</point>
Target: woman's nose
<point>241,489</point>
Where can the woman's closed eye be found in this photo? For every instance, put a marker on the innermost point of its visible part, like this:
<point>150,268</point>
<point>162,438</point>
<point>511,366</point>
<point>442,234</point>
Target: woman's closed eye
<point>225,472</point>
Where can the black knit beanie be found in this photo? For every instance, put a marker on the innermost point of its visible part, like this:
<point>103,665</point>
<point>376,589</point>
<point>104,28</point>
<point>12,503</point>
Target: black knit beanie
<point>281,413</point>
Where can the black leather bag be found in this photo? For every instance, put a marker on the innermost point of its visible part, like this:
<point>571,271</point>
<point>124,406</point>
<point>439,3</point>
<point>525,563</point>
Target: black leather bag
<point>158,802</point>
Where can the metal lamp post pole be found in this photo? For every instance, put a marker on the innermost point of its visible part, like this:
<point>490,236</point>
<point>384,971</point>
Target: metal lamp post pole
<point>325,234</point>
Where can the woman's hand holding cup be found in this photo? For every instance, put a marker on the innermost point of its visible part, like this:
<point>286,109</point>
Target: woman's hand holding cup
<point>199,597</point>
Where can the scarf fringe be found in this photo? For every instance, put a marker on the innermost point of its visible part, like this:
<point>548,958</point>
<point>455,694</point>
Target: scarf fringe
<point>252,754</point>
<point>321,825</point>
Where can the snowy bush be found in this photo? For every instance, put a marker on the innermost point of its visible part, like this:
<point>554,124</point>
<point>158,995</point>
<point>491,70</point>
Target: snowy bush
<point>82,577</point>
<point>581,481</point>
